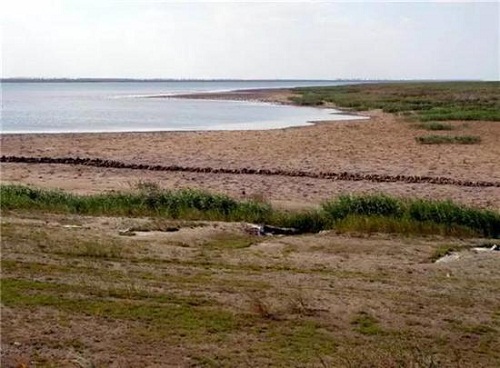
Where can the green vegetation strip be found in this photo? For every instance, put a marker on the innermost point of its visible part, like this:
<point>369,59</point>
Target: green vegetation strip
<point>444,139</point>
<point>170,311</point>
<point>429,101</point>
<point>434,125</point>
<point>350,213</point>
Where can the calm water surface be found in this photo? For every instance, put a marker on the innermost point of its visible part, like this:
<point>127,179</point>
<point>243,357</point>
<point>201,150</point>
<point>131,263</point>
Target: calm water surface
<point>123,106</point>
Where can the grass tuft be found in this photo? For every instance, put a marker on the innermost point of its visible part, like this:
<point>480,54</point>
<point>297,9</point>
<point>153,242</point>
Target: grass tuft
<point>366,324</point>
<point>373,205</point>
<point>444,139</point>
<point>434,125</point>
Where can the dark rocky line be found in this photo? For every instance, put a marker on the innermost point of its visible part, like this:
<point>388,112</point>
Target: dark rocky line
<point>340,176</point>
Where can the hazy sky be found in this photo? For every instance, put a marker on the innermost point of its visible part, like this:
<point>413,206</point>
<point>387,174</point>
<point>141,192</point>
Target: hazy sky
<point>309,40</point>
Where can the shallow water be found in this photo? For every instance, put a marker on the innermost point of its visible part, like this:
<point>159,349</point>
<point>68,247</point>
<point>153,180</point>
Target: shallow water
<point>122,106</point>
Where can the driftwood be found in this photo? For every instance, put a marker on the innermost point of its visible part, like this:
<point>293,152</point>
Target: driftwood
<point>268,230</point>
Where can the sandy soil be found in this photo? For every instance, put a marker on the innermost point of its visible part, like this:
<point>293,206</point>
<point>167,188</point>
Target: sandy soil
<point>382,145</point>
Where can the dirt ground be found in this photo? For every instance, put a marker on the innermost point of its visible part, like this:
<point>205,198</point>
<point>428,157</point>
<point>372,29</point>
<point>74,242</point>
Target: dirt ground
<point>384,144</point>
<point>76,293</point>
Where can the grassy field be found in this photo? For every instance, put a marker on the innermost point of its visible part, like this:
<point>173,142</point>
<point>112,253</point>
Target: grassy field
<point>424,101</point>
<point>80,292</point>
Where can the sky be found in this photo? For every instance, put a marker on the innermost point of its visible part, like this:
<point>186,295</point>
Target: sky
<point>250,40</point>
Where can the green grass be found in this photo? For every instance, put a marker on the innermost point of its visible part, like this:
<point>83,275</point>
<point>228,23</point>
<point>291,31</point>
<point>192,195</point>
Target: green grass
<point>444,139</point>
<point>96,249</point>
<point>434,125</point>
<point>173,319</point>
<point>442,213</point>
<point>185,204</point>
<point>375,205</point>
<point>384,213</point>
<point>406,226</point>
<point>366,324</point>
<point>189,315</point>
<point>430,101</point>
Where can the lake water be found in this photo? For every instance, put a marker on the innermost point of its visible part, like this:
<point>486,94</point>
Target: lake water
<point>123,106</point>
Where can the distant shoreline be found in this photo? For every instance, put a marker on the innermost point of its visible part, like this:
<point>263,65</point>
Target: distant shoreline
<point>118,80</point>
<point>188,80</point>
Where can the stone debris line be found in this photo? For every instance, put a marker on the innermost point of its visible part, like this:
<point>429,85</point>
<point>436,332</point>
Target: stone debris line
<point>335,176</point>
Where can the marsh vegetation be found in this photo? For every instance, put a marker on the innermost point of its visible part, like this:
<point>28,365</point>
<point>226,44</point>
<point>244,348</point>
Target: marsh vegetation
<point>425,101</point>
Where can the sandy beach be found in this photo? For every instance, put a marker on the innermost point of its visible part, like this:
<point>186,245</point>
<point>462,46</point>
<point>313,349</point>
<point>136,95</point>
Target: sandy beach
<point>384,145</point>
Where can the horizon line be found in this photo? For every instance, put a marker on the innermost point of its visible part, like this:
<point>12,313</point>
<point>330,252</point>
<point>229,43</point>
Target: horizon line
<point>127,79</point>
